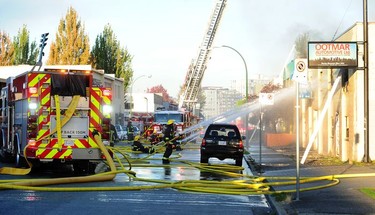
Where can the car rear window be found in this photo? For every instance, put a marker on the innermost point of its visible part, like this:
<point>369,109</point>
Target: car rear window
<point>228,131</point>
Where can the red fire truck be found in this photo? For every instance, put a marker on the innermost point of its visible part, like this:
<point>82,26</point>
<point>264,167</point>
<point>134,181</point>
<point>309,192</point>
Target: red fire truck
<point>182,120</point>
<point>52,116</point>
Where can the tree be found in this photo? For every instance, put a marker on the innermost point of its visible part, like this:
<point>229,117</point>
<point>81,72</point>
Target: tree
<point>270,88</point>
<point>301,45</point>
<point>71,45</point>
<point>6,49</point>
<point>162,90</point>
<point>107,54</point>
<point>24,52</point>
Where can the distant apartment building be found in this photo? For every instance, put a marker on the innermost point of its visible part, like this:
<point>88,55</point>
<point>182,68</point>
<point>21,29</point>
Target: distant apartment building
<point>219,100</point>
<point>255,84</point>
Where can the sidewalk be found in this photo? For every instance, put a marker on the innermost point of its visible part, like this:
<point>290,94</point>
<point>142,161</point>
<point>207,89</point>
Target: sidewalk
<point>343,198</point>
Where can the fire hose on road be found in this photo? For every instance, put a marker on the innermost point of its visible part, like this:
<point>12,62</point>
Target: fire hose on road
<point>241,184</point>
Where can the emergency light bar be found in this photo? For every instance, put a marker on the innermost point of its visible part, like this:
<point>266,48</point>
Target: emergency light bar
<point>69,71</point>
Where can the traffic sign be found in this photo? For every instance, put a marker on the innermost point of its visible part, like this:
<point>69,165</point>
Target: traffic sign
<point>266,98</point>
<point>300,70</point>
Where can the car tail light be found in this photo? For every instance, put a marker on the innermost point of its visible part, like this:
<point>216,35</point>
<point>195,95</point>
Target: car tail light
<point>32,143</point>
<point>240,144</point>
<point>203,142</point>
<point>30,152</point>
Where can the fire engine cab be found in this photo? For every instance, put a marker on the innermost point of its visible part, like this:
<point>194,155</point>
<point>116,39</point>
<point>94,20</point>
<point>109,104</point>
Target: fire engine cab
<point>182,120</point>
<point>52,116</point>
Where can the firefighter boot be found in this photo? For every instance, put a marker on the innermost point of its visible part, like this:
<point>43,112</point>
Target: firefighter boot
<point>151,150</point>
<point>178,147</point>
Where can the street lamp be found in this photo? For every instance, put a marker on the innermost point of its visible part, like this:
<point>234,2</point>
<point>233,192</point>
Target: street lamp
<point>244,62</point>
<point>131,93</point>
<point>246,89</point>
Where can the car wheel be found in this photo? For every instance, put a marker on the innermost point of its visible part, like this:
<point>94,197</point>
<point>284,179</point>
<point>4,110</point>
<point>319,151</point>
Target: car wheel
<point>239,161</point>
<point>204,159</point>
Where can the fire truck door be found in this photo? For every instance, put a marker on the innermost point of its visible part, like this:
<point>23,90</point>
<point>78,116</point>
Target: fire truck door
<point>20,121</point>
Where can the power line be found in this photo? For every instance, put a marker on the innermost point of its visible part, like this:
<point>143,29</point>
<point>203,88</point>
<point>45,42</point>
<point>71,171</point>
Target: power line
<point>334,35</point>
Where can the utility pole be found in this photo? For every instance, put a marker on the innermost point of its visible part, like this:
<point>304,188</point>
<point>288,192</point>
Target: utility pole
<point>366,157</point>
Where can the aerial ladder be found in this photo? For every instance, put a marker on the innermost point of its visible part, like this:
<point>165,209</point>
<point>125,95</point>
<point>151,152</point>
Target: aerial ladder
<point>197,67</point>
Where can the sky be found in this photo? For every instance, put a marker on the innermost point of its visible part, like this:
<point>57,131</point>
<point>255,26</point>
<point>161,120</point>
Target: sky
<point>164,36</point>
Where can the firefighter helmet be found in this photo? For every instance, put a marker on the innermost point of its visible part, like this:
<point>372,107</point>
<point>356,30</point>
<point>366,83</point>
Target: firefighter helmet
<point>136,138</point>
<point>171,121</point>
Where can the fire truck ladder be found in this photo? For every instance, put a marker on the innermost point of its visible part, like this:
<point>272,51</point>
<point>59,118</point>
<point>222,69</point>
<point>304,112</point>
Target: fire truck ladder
<point>196,69</point>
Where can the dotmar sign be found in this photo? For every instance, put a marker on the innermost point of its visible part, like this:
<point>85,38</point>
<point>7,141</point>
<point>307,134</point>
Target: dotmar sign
<point>332,54</point>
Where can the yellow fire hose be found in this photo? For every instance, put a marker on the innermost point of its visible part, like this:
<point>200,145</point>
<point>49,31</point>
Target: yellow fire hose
<point>241,185</point>
<point>60,123</point>
<point>247,185</point>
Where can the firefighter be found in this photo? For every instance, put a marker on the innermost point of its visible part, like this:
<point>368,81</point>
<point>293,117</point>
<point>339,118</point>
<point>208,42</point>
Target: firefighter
<point>168,136</point>
<point>138,146</point>
<point>114,136</point>
<point>130,131</point>
<point>154,138</point>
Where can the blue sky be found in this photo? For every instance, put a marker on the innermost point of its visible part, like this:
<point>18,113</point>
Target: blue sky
<point>164,35</point>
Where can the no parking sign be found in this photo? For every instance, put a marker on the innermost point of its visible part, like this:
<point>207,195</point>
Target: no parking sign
<point>266,98</point>
<point>300,70</point>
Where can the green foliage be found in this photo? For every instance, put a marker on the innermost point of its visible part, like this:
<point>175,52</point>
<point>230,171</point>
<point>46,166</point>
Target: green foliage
<point>241,102</point>
<point>71,45</point>
<point>6,49</point>
<point>107,54</point>
<point>369,192</point>
<point>279,197</point>
<point>24,51</point>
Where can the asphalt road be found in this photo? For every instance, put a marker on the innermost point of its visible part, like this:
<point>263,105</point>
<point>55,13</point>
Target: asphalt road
<point>146,201</point>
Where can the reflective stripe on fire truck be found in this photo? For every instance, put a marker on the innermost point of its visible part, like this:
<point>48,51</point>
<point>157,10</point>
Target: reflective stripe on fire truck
<point>58,122</point>
<point>53,152</point>
<point>95,114</point>
<point>97,100</point>
<point>39,81</point>
<point>50,149</point>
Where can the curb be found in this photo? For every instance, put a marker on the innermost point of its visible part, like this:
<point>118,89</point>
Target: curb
<point>275,205</point>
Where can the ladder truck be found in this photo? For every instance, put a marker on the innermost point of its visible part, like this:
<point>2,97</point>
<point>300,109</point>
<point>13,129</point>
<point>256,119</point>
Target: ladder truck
<point>197,67</point>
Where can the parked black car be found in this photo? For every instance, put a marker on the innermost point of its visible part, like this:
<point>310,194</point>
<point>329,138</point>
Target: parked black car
<point>222,141</point>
